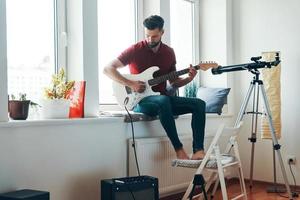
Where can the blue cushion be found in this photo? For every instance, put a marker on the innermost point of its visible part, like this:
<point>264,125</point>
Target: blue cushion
<point>215,98</point>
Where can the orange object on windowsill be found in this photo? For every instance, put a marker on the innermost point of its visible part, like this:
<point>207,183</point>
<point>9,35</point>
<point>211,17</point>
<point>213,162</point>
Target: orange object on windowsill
<point>76,97</point>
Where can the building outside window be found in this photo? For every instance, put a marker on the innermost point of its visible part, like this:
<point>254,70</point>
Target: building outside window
<point>31,46</point>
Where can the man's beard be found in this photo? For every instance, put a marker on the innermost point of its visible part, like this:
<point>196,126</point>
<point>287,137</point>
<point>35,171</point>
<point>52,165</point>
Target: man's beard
<point>153,44</point>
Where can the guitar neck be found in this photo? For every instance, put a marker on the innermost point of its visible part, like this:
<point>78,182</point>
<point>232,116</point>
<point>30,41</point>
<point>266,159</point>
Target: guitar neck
<point>170,76</point>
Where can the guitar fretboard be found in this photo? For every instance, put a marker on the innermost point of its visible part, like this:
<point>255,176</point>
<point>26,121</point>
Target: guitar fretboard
<point>170,76</point>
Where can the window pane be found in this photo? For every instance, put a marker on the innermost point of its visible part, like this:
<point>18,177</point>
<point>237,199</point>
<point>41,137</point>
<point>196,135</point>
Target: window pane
<point>30,46</point>
<point>181,23</point>
<point>182,31</point>
<point>116,32</point>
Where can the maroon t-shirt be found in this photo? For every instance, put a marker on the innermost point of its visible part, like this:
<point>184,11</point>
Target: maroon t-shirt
<point>140,57</point>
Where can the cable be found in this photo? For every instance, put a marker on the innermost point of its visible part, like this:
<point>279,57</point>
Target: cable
<point>133,138</point>
<point>131,193</point>
<point>295,192</point>
<point>127,187</point>
<point>292,174</point>
<point>192,192</point>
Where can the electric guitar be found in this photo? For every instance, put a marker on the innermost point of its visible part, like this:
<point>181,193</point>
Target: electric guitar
<point>127,97</point>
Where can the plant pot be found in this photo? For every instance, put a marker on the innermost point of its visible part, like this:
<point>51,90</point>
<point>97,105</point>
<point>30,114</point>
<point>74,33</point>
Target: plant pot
<point>18,110</point>
<point>55,108</point>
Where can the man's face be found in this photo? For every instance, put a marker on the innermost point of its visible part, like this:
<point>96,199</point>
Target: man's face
<point>153,37</point>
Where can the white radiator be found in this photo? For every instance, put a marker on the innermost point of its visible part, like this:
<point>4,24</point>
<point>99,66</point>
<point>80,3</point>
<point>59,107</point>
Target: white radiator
<point>154,157</point>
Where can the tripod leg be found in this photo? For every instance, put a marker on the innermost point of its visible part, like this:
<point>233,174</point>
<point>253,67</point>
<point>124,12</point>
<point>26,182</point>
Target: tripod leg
<point>251,166</point>
<point>275,141</point>
<point>274,166</point>
<point>244,105</point>
<point>253,86</point>
<point>254,120</point>
<point>275,188</point>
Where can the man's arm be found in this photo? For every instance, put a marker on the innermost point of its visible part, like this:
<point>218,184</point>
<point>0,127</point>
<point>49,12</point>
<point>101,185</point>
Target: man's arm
<point>111,70</point>
<point>179,82</point>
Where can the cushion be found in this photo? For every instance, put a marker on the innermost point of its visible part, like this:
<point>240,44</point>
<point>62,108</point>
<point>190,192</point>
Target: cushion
<point>215,98</point>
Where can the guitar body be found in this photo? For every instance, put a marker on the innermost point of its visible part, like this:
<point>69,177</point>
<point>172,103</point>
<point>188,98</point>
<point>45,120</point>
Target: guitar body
<point>123,93</point>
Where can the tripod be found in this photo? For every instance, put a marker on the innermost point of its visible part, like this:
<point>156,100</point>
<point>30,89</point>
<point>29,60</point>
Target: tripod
<point>257,85</point>
<point>198,181</point>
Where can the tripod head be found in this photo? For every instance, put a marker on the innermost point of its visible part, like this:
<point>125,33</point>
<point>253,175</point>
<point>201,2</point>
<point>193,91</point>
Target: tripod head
<point>254,66</point>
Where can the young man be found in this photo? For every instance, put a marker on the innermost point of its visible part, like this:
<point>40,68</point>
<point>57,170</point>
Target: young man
<point>152,52</point>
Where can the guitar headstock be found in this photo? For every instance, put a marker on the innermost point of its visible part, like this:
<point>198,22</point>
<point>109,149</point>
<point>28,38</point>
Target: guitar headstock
<point>207,65</point>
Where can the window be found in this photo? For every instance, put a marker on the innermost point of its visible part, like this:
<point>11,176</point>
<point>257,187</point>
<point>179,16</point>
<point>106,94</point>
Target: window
<point>116,32</point>
<point>184,31</point>
<point>31,45</point>
<point>181,25</point>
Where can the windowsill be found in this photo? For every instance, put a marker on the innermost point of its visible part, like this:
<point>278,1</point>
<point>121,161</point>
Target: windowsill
<point>110,117</point>
<point>46,122</point>
<point>209,115</point>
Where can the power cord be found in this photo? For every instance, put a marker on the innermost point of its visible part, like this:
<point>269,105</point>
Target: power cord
<point>127,187</point>
<point>295,192</point>
<point>133,138</point>
<point>131,193</point>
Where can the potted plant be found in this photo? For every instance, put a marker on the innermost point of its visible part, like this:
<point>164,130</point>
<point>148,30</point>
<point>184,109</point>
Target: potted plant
<point>18,108</point>
<point>56,104</point>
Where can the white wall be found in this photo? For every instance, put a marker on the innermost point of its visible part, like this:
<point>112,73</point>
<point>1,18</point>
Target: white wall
<point>68,158</point>
<point>215,34</point>
<point>270,25</point>
<point>216,44</point>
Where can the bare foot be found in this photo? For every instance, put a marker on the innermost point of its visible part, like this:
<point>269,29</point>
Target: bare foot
<point>199,155</point>
<point>181,154</point>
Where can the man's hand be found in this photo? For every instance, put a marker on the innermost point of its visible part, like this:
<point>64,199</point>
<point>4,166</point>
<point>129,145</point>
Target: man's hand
<point>137,86</point>
<point>192,73</point>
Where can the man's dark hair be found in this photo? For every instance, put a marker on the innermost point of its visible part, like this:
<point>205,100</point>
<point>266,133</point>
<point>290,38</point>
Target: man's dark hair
<point>153,22</point>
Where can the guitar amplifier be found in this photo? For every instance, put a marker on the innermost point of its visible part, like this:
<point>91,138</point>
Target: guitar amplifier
<point>25,194</point>
<point>130,188</point>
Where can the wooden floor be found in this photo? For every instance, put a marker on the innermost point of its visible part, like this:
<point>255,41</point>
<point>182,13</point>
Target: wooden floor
<point>258,192</point>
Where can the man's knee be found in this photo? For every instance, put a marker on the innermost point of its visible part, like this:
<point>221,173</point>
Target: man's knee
<point>200,104</point>
<point>164,104</point>
<point>164,100</point>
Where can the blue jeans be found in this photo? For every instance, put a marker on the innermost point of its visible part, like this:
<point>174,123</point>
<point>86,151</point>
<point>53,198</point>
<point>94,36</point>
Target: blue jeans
<point>168,106</point>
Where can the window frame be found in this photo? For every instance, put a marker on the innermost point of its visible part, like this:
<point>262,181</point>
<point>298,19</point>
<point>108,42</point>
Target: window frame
<point>3,64</point>
<point>60,48</point>
<point>89,75</point>
<point>165,8</point>
<point>60,34</point>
